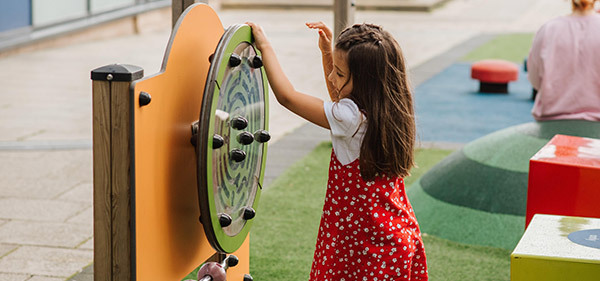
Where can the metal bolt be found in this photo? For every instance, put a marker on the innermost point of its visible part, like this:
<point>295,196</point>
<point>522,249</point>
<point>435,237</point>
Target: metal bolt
<point>249,213</point>
<point>234,60</point>
<point>145,98</point>
<point>109,77</point>
<point>224,220</point>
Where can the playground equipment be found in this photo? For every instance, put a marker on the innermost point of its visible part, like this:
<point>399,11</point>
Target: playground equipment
<point>179,156</point>
<point>478,195</point>
<point>564,178</point>
<point>558,248</point>
<point>494,75</point>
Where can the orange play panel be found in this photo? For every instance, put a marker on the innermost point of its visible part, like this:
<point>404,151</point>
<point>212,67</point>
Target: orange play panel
<point>564,178</point>
<point>169,238</point>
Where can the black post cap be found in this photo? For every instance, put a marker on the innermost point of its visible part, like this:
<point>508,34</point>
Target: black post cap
<point>117,72</point>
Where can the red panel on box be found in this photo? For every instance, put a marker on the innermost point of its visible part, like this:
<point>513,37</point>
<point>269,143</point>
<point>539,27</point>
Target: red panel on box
<point>564,178</point>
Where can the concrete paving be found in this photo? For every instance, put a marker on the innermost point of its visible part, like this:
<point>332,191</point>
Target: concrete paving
<point>45,114</point>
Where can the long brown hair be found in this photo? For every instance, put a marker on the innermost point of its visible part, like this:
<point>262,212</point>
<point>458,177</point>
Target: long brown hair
<point>382,91</point>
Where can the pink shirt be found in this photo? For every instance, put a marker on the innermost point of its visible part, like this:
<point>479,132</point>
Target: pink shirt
<point>564,65</point>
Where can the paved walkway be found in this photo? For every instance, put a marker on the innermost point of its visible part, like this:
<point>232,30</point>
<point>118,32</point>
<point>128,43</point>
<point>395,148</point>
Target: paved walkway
<point>45,114</point>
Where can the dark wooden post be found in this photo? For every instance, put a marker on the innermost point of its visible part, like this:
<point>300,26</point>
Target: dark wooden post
<point>178,6</point>
<point>112,165</point>
<point>343,15</point>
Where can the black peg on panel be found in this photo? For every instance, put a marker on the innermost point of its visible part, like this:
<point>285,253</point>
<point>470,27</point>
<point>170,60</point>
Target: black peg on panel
<point>239,123</point>
<point>247,277</point>
<point>232,261</point>
<point>249,213</point>
<point>210,58</point>
<point>224,220</point>
<point>145,98</point>
<point>234,60</point>
<point>245,138</point>
<point>218,141</point>
<point>256,62</point>
<point>262,136</point>
<point>237,155</point>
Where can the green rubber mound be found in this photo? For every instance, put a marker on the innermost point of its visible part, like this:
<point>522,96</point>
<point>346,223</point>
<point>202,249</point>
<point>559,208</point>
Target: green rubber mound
<point>548,129</point>
<point>478,195</point>
<point>461,181</point>
<point>462,224</point>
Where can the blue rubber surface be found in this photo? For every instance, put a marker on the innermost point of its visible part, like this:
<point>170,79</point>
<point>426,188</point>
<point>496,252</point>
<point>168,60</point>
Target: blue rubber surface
<point>449,107</point>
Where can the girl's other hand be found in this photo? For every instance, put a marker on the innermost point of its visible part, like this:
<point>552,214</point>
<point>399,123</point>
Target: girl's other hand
<point>259,36</point>
<point>325,36</point>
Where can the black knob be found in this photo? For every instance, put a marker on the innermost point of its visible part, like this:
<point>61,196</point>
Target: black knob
<point>234,60</point>
<point>262,136</point>
<point>237,155</point>
<point>239,123</point>
<point>145,98</point>
<point>249,213</point>
<point>210,58</point>
<point>256,62</point>
<point>218,141</point>
<point>232,261</point>
<point>224,220</point>
<point>245,138</point>
<point>247,277</point>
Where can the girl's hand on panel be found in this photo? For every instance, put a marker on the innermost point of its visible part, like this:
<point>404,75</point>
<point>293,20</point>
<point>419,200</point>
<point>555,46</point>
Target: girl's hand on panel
<point>325,36</point>
<point>260,39</point>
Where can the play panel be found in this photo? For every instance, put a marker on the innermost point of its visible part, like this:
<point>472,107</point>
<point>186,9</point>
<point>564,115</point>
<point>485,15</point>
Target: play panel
<point>179,157</point>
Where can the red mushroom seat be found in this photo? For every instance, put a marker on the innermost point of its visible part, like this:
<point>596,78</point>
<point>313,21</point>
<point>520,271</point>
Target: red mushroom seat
<point>494,75</point>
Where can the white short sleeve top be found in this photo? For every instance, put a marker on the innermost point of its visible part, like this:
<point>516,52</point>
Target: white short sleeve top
<point>348,126</point>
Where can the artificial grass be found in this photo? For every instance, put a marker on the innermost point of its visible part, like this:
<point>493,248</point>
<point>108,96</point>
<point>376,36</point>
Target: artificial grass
<point>511,47</point>
<point>452,261</point>
<point>284,234</point>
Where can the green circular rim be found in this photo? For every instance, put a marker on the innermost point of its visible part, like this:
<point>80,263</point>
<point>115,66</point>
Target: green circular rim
<point>221,241</point>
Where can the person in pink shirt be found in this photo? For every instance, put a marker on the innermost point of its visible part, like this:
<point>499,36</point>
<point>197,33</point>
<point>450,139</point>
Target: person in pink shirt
<point>564,65</point>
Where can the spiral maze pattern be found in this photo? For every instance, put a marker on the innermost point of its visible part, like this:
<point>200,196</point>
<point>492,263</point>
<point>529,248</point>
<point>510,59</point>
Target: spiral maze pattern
<point>235,183</point>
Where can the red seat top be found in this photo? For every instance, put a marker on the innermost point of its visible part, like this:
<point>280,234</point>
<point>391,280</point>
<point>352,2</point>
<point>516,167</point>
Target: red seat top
<point>494,71</point>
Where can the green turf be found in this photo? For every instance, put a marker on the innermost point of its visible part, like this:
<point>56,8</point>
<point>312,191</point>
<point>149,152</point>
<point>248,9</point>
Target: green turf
<point>451,261</point>
<point>284,234</point>
<point>510,47</point>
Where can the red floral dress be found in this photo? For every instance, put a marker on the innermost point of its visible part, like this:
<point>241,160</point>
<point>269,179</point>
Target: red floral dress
<point>368,230</point>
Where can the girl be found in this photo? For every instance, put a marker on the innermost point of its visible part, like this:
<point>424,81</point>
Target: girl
<point>368,230</point>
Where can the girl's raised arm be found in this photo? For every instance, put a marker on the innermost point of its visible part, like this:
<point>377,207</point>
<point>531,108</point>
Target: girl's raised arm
<point>325,39</point>
<point>306,106</point>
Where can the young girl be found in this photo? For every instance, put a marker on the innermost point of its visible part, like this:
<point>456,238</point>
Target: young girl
<point>368,229</point>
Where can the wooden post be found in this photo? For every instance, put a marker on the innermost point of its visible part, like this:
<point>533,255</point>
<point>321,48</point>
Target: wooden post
<point>178,6</point>
<point>343,15</point>
<point>112,165</point>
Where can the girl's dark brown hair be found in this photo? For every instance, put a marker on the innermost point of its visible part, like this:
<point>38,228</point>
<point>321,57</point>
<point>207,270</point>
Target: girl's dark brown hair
<point>382,92</point>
